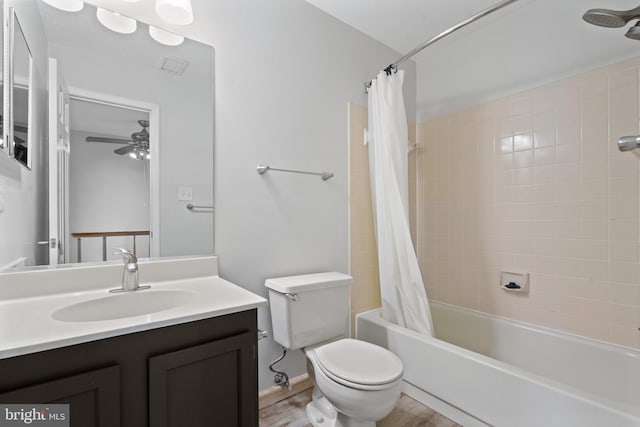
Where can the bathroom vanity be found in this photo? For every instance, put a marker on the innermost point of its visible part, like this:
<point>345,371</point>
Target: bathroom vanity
<point>140,364</point>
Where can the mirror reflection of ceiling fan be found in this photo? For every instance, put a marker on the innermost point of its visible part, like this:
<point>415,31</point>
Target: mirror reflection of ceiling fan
<point>137,147</point>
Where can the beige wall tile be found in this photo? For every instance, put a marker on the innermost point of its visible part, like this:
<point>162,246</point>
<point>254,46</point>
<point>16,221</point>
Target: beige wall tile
<point>625,335</point>
<point>571,324</point>
<point>532,182</point>
<point>625,315</point>
<point>595,329</point>
<point>365,294</point>
<point>550,194</point>
<point>594,289</point>
<point>625,293</point>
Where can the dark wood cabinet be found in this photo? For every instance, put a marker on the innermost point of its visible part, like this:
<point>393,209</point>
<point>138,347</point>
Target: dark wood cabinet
<point>202,385</point>
<point>201,373</point>
<point>93,395</point>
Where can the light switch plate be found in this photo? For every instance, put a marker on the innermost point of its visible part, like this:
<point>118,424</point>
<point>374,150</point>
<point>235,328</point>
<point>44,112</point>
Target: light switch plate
<point>185,194</point>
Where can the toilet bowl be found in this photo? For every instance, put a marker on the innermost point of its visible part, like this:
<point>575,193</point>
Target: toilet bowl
<point>357,383</point>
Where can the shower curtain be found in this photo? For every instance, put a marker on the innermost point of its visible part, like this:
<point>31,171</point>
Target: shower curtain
<point>404,300</point>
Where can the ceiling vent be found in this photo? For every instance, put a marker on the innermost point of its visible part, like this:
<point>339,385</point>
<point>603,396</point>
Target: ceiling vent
<point>174,66</point>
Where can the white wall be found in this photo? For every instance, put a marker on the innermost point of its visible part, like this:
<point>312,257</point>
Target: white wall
<point>23,192</point>
<point>284,74</point>
<point>107,192</point>
<point>186,138</point>
<point>282,92</point>
<point>282,100</point>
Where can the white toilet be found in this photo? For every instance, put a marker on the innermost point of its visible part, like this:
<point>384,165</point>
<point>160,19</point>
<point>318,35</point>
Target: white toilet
<point>356,383</point>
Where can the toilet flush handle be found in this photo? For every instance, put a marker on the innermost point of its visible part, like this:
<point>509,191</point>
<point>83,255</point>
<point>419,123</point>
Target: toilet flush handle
<point>292,296</point>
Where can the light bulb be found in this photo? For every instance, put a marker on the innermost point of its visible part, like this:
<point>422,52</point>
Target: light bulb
<point>178,12</point>
<point>66,5</point>
<point>116,22</point>
<point>133,155</point>
<point>165,37</point>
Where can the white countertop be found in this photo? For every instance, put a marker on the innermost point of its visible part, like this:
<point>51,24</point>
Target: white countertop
<point>27,325</point>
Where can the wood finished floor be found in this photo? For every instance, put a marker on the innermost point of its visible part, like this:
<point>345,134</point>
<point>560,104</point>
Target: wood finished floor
<point>407,413</point>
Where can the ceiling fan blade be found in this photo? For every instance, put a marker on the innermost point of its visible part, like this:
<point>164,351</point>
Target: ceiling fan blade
<point>108,140</point>
<point>125,150</point>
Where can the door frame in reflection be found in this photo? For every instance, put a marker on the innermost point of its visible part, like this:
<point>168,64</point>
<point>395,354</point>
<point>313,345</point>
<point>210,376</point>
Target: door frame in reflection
<point>153,110</point>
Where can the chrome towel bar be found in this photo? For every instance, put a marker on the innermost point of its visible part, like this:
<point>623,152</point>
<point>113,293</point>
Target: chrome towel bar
<point>262,169</point>
<point>191,206</point>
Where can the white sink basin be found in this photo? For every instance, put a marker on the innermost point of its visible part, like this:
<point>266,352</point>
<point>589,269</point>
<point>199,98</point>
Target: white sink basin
<point>125,304</point>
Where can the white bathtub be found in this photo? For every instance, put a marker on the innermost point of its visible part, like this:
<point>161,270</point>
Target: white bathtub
<point>485,370</point>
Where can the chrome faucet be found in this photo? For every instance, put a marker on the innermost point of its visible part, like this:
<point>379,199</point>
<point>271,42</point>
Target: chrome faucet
<point>130,276</point>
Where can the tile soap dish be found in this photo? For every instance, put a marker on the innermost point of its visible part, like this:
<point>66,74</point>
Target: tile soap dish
<point>514,282</point>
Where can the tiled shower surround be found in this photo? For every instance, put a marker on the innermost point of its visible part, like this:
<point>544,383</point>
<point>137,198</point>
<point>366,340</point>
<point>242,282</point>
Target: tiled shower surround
<point>535,183</point>
<point>363,258</point>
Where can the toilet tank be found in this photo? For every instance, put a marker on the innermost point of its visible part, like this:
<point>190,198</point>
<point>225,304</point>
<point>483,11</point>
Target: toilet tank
<point>309,309</point>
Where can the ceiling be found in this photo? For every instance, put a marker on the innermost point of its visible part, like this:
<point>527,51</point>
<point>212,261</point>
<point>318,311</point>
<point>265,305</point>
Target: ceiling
<point>526,44</point>
<point>104,120</point>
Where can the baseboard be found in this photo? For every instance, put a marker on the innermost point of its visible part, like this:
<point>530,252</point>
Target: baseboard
<point>277,393</point>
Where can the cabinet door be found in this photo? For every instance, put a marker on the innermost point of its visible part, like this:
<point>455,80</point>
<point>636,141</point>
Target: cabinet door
<point>93,397</point>
<point>212,384</point>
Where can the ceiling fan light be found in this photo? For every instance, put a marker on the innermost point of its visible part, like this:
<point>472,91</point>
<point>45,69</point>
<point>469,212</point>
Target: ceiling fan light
<point>66,5</point>
<point>116,22</point>
<point>178,12</point>
<point>165,37</point>
<point>133,155</point>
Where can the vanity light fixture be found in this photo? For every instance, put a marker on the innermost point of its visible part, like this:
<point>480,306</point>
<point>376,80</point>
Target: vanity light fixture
<point>116,22</point>
<point>177,12</point>
<point>165,37</point>
<point>66,5</point>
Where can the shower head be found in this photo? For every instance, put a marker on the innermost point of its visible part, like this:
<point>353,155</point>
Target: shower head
<point>628,143</point>
<point>611,18</point>
<point>634,32</point>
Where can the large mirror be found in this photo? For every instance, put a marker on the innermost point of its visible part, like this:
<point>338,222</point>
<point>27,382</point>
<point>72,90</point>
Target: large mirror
<point>125,127</point>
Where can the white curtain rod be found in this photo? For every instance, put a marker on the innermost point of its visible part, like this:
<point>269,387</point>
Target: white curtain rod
<point>445,33</point>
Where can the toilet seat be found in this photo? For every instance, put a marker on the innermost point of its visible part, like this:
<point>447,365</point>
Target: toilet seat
<point>359,364</point>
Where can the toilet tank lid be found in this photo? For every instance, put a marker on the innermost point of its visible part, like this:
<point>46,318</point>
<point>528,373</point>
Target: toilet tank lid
<point>308,282</point>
